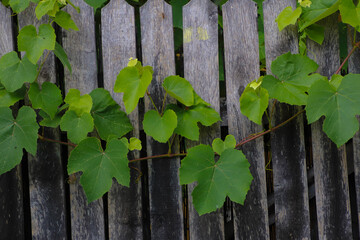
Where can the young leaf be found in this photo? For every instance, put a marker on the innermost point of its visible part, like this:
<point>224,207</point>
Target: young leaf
<point>19,5</point>
<point>288,17</point>
<point>98,167</point>
<point>77,126</point>
<point>160,127</point>
<point>78,104</point>
<point>219,146</point>
<point>350,13</point>
<point>8,99</point>
<point>47,99</point>
<point>230,176</point>
<point>16,134</point>
<point>133,82</point>
<point>338,105</point>
<point>15,72</point>
<point>43,7</point>
<point>62,56</point>
<point>33,43</point>
<point>134,144</point>
<point>108,118</point>
<point>180,89</point>
<point>63,19</point>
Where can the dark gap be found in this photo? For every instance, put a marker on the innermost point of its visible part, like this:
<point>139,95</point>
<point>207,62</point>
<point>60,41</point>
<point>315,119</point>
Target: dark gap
<point>343,46</point>
<point>222,76</point>
<point>98,43</point>
<point>138,33</point>
<point>106,216</point>
<point>260,25</point>
<point>60,81</point>
<point>15,31</point>
<point>26,196</point>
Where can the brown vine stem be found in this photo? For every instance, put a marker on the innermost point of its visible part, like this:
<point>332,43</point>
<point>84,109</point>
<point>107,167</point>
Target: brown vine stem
<point>356,45</point>
<point>167,155</point>
<point>56,141</point>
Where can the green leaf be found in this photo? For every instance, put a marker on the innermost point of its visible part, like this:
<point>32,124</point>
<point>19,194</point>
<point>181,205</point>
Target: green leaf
<point>77,126</point>
<point>16,134</point>
<point>230,176</point>
<point>316,33</point>
<point>288,17</point>
<point>219,146</point>
<point>95,3</point>
<point>180,89</point>
<point>33,43</point>
<point>47,99</point>
<point>98,167</point>
<point>319,9</point>
<point>338,105</point>
<point>336,80</point>
<point>254,101</point>
<point>63,19</point>
<point>160,127</point>
<point>350,13</point>
<point>78,104</point>
<point>293,78</point>
<point>8,99</point>
<point>108,118</point>
<point>133,82</point>
<point>43,7</point>
<point>62,56</point>
<point>19,5</point>
<point>134,144</point>
<point>47,121</point>
<point>15,72</point>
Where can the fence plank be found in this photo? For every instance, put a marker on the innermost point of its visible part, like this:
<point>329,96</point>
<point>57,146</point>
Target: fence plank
<point>292,217</point>
<point>46,177</point>
<point>166,214</point>
<point>354,67</point>
<point>201,68</point>
<point>118,45</point>
<point>11,189</point>
<point>87,220</point>
<point>242,66</point>
<point>330,167</point>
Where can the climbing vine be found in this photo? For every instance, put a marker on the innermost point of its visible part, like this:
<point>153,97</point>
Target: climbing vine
<point>294,82</point>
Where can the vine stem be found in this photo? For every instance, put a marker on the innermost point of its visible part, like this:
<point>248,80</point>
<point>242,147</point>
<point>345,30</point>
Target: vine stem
<point>356,45</point>
<point>167,155</point>
<point>56,141</point>
<point>41,65</point>
<point>152,101</point>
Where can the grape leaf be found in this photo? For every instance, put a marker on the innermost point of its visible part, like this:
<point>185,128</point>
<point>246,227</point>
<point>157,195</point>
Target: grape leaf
<point>47,99</point>
<point>180,89</point>
<point>338,105</point>
<point>33,43</point>
<point>108,118</point>
<point>288,17</point>
<point>98,166</point>
<point>350,13</point>
<point>293,78</point>
<point>95,3</point>
<point>78,104</point>
<point>8,99</point>
<point>77,126</point>
<point>43,7</point>
<point>160,127</point>
<point>133,82</point>
<point>219,146</point>
<point>188,118</point>
<point>230,176</point>
<point>16,134</point>
<point>134,144</point>
<point>19,5</point>
<point>62,56</point>
<point>316,33</point>
<point>48,121</point>
<point>15,72</point>
<point>63,19</point>
<point>254,101</point>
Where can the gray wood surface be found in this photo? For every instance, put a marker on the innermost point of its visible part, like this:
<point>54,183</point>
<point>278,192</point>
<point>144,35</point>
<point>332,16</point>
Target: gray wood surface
<point>118,45</point>
<point>11,189</point>
<point>354,67</point>
<point>330,167</point>
<point>292,218</point>
<point>87,220</point>
<point>166,213</point>
<point>242,66</point>
<point>46,177</point>
<point>201,69</point>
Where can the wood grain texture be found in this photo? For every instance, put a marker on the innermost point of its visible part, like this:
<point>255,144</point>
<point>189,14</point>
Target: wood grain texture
<point>354,67</point>
<point>241,61</point>
<point>201,69</point>
<point>292,217</point>
<point>330,167</point>
<point>166,214</point>
<point>46,177</point>
<point>118,45</point>
<point>11,189</point>
<point>87,220</point>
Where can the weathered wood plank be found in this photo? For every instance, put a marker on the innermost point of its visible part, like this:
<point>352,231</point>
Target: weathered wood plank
<point>292,217</point>
<point>354,67</point>
<point>87,220</point>
<point>166,214</point>
<point>118,45</point>
<point>241,60</point>
<point>330,167</point>
<point>46,177</point>
<point>201,68</point>
<point>11,189</point>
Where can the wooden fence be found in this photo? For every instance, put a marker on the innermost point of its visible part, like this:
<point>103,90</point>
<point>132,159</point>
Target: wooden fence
<point>311,191</point>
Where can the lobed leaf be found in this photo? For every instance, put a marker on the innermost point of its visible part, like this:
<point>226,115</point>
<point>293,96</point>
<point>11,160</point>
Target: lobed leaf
<point>77,127</point>
<point>62,56</point>
<point>219,146</point>
<point>63,19</point>
<point>160,127</point>
<point>288,17</point>
<point>78,104</point>
<point>180,89</point>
